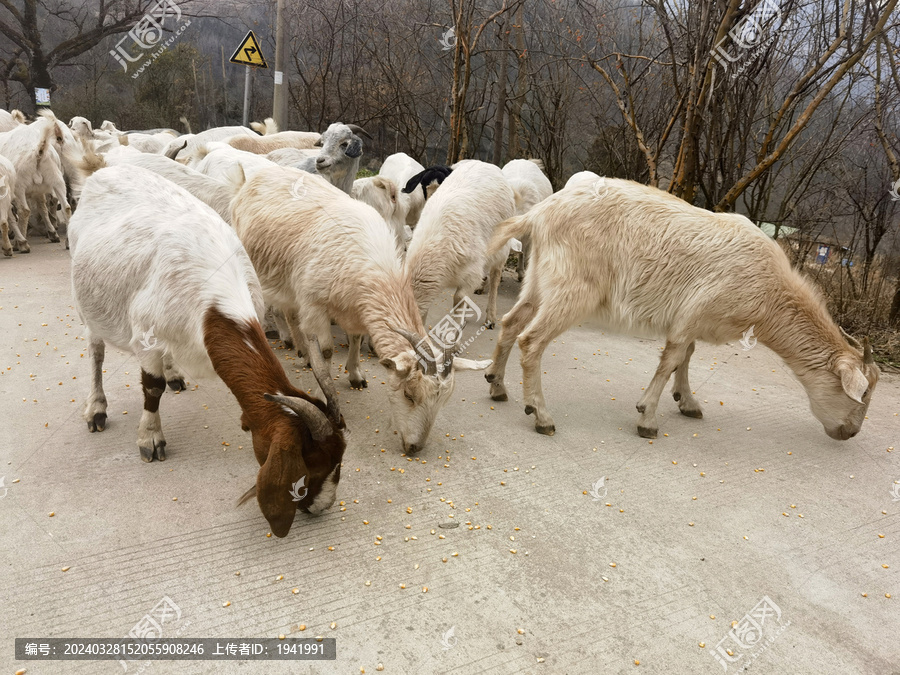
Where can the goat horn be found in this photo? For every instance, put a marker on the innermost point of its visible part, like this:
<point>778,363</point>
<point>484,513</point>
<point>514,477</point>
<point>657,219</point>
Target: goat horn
<point>323,377</point>
<point>356,129</point>
<point>850,339</point>
<point>415,340</point>
<point>867,352</point>
<point>173,153</point>
<point>315,420</point>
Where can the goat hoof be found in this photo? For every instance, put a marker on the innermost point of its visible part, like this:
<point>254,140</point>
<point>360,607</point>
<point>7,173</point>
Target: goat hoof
<point>359,384</point>
<point>529,409</point>
<point>490,377</point>
<point>489,325</point>
<point>288,344</point>
<point>479,291</point>
<point>8,252</point>
<point>641,408</point>
<point>23,247</point>
<point>521,277</point>
<point>696,414</point>
<point>54,238</point>
<point>501,397</point>
<point>177,384</point>
<point>546,429</point>
<point>676,395</point>
<point>98,423</point>
<point>272,335</point>
<point>647,432</point>
<point>159,452</point>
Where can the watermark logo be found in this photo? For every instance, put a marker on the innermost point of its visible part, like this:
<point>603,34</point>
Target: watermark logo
<point>448,39</point>
<point>151,625</point>
<point>4,188</point>
<point>148,339</point>
<point>298,189</point>
<point>748,341</point>
<point>3,487</point>
<point>449,640</point>
<point>447,332</point>
<point>600,188</point>
<point>747,36</point>
<point>147,33</point>
<point>598,489</point>
<point>295,490</point>
<point>895,493</point>
<point>746,636</point>
<point>894,192</point>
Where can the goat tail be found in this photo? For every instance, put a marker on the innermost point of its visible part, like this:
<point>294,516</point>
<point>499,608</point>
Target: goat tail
<point>516,227</point>
<point>247,496</point>
<point>18,116</point>
<point>185,123</point>
<point>539,163</point>
<point>91,162</point>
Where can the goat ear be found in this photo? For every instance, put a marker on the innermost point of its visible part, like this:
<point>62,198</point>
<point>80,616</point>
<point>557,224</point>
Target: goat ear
<point>468,364</point>
<point>398,364</point>
<point>282,469</point>
<point>853,382</point>
<point>318,143</point>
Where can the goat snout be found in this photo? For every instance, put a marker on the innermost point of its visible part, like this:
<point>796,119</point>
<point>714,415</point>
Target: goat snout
<point>410,448</point>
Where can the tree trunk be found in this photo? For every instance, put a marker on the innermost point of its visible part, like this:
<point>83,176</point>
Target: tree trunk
<point>515,112</point>
<point>501,96</point>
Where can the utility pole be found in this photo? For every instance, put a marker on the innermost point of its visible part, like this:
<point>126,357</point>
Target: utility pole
<point>279,105</point>
<point>247,96</point>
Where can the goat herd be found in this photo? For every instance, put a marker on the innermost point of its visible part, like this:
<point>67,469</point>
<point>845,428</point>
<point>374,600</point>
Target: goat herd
<point>192,237</point>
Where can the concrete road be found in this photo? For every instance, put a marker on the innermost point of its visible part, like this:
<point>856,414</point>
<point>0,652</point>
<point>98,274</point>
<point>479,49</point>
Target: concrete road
<point>587,552</point>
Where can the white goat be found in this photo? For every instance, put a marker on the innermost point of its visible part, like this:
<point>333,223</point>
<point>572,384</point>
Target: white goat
<point>449,246</point>
<point>52,184</point>
<point>7,187</point>
<point>262,145</point>
<point>399,168</point>
<point>320,255</point>
<point>526,177</point>
<point>10,120</point>
<point>383,195</point>
<point>25,147</point>
<point>167,279</point>
<point>644,262</point>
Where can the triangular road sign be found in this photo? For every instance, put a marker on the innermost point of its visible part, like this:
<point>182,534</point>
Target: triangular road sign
<point>249,53</point>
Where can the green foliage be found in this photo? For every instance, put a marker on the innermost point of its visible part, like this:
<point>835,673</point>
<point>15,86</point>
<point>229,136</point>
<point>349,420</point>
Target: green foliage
<point>365,173</point>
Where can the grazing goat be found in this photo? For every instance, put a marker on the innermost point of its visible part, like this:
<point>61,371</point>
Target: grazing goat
<point>338,161</point>
<point>382,195</point>
<point>646,263</point>
<point>157,273</point>
<point>52,184</point>
<point>450,242</point>
<point>526,177</point>
<point>321,255</point>
<point>399,168</point>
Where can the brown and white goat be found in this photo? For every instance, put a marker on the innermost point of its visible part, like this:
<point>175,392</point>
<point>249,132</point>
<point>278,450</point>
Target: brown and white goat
<point>197,305</point>
<point>644,262</point>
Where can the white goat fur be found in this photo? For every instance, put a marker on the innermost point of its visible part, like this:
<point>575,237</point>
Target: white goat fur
<point>262,145</point>
<point>217,160</point>
<point>325,256</point>
<point>526,177</point>
<point>644,262</point>
<point>10,120</point>
<point>192,142</point>
<point>449,245</point>
<point>215,193</point>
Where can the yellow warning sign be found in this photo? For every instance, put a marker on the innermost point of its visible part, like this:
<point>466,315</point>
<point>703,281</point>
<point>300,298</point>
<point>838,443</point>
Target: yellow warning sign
<point>249,53</point>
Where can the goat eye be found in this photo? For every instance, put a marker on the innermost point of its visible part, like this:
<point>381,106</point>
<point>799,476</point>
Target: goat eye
<point>408,397</point>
